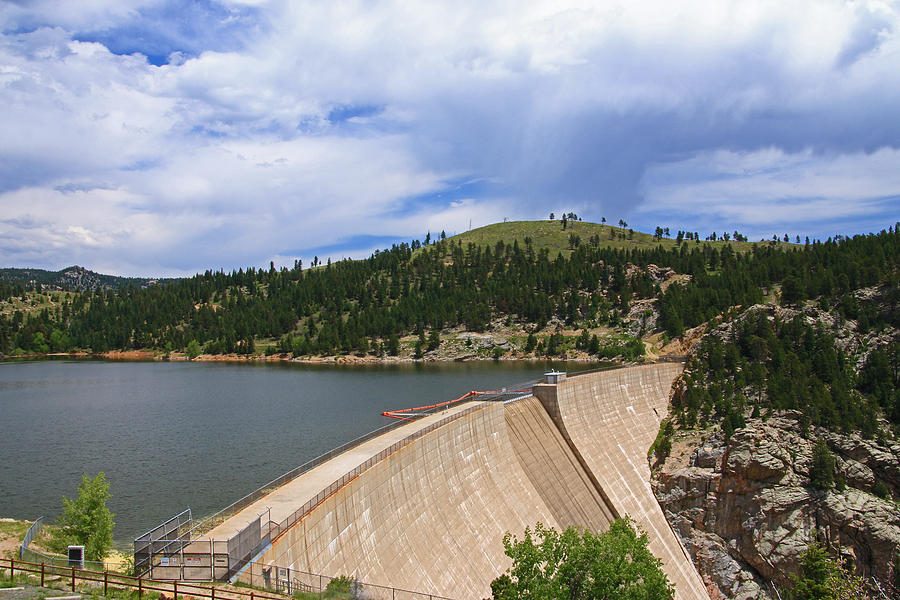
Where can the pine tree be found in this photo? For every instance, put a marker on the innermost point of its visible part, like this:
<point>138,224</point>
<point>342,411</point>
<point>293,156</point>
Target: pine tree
<point>434,340</point>
<point>393,345</point>
<point>821,470</point>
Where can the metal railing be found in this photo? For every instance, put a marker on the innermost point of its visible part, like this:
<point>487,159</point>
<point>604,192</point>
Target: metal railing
<point>680,358</point>
<point>274,530</point>
<point>70,577</point>
<point>32,533</point>
<point>229,511</point>
<point>209,523</point>
<point>669,358</point>
<point>167,537</point>
<point>291,581</point>
<point>26,553</point>
<point>606,367</point>
<point>176,543</point>
<point>239,553</point>
<point>312,503</point>
<point>232,509</point>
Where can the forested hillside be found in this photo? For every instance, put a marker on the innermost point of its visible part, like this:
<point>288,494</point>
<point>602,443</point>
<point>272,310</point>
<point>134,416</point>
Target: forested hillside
<point>785,423</point>
<point>366,306</point>
<point>73,278</point>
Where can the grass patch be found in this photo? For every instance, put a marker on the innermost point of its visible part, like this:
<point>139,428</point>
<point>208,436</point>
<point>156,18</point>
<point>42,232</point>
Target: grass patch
<point>17,581</point>
<point>96,593</point>
<point>35,302</point>
<point>13,529</point>
<point>551,235</point>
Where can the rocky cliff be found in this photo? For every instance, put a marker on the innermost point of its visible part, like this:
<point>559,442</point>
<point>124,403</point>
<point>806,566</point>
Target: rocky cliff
<point>745,507</point>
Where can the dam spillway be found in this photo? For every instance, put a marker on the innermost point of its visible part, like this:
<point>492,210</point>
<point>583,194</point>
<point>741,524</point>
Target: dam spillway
<point>428,503</point>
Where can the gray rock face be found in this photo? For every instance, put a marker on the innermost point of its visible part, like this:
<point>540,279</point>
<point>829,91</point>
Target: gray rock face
<point>745,512</point>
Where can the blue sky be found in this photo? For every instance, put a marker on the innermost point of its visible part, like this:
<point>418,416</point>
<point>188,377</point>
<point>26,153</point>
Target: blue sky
<point>151,137</point>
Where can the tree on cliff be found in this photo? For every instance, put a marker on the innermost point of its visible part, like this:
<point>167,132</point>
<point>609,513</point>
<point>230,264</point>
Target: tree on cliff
<point>823,578</point>
<point>821,471</point>
<point>577,564</point>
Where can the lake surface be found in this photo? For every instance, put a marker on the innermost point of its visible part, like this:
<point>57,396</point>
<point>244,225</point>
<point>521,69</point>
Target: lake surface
<point>200,435</point>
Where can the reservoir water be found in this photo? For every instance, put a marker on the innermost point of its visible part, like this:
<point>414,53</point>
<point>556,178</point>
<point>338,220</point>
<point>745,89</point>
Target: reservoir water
<point>200,435</point>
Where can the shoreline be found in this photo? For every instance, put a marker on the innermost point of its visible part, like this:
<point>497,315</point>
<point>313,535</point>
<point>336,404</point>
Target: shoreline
<point>150,356</point>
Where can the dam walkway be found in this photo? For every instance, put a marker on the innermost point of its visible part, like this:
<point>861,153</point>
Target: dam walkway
<point>280,505</point>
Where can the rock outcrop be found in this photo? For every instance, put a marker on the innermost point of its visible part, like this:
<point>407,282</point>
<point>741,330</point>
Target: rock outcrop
<point>745,509</point>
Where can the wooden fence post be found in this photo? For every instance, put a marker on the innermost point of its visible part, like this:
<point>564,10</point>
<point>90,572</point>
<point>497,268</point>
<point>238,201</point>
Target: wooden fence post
<point>73,578</point>
<point>42,573</point>
<point>140,587</point>
<point>175,589</point>
<point>212,594</point>
<point>12,568</point>
<point>105,582</point>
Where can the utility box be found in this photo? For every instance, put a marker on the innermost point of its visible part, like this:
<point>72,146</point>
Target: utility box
<point>554,377</point>
<point>76,556</point>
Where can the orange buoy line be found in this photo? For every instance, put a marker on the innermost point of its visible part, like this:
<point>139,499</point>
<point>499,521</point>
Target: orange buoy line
<point>405,413</point>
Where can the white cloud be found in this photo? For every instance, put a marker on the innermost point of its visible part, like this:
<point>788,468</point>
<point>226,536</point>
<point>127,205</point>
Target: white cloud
<point>771,190</point>
<point>230,156</point>
<point>71,15</point>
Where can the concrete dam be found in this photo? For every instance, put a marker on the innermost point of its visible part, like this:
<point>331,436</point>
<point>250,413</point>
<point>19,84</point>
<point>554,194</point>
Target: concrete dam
<point>425,506</point>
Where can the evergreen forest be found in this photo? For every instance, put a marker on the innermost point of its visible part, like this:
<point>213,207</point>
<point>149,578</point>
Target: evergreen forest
<point>365,306</point>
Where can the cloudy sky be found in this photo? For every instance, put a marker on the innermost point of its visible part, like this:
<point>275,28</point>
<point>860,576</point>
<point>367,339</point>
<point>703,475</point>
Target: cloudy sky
<point>141,137</point>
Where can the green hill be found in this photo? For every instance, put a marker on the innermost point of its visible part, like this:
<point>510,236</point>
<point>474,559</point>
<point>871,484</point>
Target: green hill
<point>551,235</point>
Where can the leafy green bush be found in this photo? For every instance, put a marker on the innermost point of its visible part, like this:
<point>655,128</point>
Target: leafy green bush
<point>576,564</point>
<point>86,520</point>
<point>662,445</point>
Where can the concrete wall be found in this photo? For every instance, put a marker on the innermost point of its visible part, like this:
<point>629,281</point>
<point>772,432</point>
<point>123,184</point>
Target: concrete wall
<point>553,469</point>
<point>611,418</point>
<point>431,517</point>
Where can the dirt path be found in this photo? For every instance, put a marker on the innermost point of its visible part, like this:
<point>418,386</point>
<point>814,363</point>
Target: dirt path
<point>11,533</point>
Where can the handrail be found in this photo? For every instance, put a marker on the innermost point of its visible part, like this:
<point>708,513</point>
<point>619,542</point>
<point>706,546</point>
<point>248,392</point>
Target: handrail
<point>239,554</point>
<point>210,522</point>
<point>404,412</point>
<point>142,584</point>
<point>279,529</point>
<point>149,533</point>
<point>353,473</point>
<point>668,358</point>
<point>25,552</point>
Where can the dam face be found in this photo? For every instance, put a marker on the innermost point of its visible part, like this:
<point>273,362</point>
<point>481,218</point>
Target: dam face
<point>431,515</point>
<point>612,418</point>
